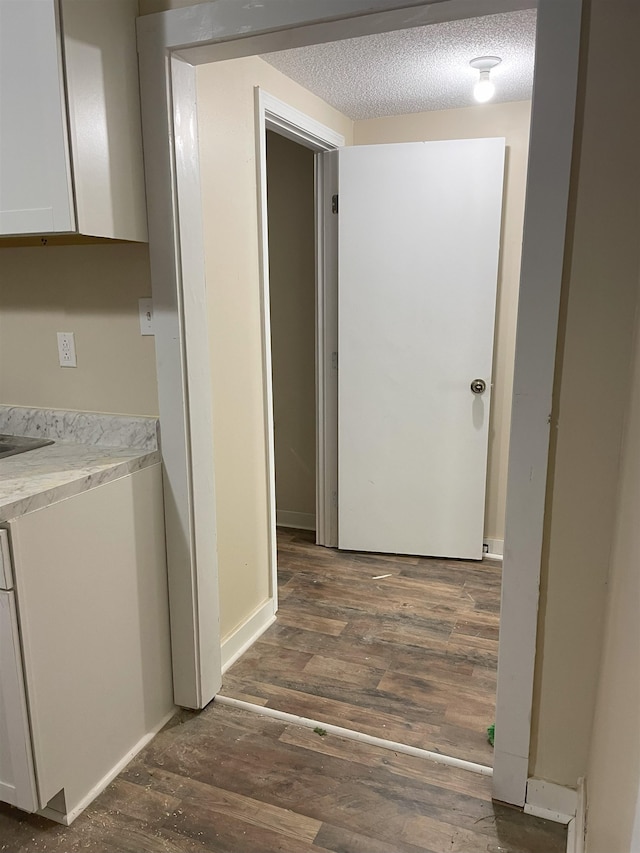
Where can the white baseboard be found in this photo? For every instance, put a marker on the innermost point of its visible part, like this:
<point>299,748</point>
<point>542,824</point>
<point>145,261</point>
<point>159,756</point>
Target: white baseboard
<point>494,549</point>
<point>577,828</point>
<point>238,642</point>
<point>551,801</point>
<point>68,818</point>
<point>299,520</point>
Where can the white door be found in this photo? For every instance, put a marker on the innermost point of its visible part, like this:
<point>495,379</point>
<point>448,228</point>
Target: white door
<point>419,239</point>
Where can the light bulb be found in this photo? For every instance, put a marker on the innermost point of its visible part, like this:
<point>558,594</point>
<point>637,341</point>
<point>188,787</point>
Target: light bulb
<point>484,89</point>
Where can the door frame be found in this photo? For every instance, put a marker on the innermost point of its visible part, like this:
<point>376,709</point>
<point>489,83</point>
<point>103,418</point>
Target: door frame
<point>171,45</point>
<point>276,115</point>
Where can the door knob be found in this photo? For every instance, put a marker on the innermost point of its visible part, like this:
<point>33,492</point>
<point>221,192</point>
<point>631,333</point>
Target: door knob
<point>478,386</point>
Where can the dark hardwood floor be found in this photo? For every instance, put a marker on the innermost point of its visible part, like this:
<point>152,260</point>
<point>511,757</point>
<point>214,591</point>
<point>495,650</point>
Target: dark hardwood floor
<point>411,657</point>
<point>227,780</point>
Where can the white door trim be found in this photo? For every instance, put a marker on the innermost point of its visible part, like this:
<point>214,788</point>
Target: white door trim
<point>547,197</point>
<point>326,351</point>
<point>225,29</point>
<point>274,114</point>
<point>294,124</point>
<point>172,174</point>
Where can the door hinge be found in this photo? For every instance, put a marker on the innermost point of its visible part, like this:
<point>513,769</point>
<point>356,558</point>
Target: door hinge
<point>334,499</point>
<point>334,360</point>
<point>334,203</point>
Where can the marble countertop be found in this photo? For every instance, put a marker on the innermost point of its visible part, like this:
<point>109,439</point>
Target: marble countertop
<point>38,478</point>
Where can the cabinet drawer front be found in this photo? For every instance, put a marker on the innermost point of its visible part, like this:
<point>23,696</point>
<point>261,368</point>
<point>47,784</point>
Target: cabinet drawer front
<point>17,781</point>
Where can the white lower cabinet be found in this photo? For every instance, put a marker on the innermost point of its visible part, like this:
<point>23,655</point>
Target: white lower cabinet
<point>85,662</point>
<point>17,781</point>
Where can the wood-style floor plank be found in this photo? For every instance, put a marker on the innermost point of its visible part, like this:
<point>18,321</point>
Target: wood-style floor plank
<point>410,657</point>
<point>228,781</point>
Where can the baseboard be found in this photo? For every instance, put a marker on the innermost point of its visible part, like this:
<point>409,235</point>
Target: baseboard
<point>577,828</point>
<point>7,794</point>
<point>299,520</point>
<point>551,801</point>
<point>68,818</point>
<point>238,642</point>
<point>492,549</point>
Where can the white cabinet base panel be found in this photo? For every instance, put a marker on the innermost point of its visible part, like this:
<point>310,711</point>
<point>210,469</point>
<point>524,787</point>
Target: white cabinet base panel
<point>68,818</point>
<point>90,579</point>
<point>17,783</point>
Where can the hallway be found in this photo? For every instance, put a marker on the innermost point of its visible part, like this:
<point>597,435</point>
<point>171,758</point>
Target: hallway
<point>410,657</point>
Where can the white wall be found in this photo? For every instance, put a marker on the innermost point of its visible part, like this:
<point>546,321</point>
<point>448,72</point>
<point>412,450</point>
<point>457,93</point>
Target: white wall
<point>91,290</point>
<point>291,212</point>
<point>510,120</point>
<point>227,155</point>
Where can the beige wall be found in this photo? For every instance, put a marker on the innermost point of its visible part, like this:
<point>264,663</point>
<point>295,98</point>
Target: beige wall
<point>592,392</point>
<point>291,211</point>
<point>614,766</point>
<point>227,150</point>
<point>91,290</point>
<point>510,120</point>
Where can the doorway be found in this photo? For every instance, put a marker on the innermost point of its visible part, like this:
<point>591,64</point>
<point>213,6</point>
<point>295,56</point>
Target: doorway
<point>292,302</point>
<point>192,557</point>
<point>429,642</point>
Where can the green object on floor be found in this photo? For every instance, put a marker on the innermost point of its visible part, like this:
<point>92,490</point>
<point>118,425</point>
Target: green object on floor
<point>319,731</point>
<point>491,733</point>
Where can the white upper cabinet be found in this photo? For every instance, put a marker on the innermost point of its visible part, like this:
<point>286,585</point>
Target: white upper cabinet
<point>35,175</point>
<point>70,138</point>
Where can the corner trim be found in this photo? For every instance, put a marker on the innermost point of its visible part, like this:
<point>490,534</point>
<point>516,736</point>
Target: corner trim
<point>245,635</point>
<point>577,828</point>
<point>550,801</point>
<point>361,737</point>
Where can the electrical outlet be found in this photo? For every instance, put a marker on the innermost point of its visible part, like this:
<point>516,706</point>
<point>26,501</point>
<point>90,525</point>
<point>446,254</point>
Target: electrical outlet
<point>145,309</point>
<point>67,349</point>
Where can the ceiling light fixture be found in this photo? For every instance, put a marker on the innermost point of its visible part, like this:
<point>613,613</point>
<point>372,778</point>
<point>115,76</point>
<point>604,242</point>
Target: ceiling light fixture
<point>484,89</point>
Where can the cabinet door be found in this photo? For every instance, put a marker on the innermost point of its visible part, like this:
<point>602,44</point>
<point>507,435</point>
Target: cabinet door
<point>17,784</point>
<point>35,176</point>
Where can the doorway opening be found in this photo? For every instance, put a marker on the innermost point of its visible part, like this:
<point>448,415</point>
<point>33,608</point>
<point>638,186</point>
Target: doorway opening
<point>433,692</point>
<point>291,208</point>
<point>192,42</point>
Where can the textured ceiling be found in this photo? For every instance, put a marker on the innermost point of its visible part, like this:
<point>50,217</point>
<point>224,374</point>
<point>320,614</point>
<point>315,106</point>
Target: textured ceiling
<point>409,71</point>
